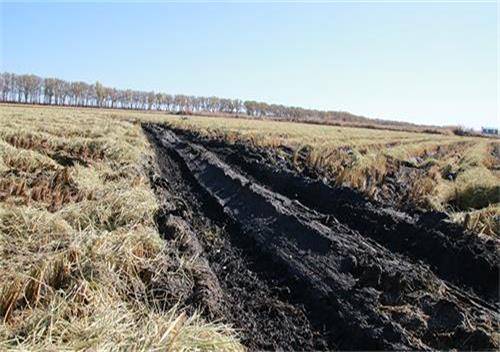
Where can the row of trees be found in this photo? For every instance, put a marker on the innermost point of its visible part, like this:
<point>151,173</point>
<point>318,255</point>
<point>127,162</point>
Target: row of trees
<point>32,89</point>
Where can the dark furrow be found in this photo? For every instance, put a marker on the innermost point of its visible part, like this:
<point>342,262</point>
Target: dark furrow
<point>453,254</point>
<point>259,302</point>
<point>376,298</point>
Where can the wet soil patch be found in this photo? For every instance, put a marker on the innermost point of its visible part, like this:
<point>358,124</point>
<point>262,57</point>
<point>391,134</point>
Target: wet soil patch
<point>256,299</point>
<point>320,271</point>
<point>453,253</point>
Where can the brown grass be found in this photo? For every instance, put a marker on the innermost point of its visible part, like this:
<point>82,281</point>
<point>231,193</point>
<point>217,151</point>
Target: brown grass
<point>81,261</point>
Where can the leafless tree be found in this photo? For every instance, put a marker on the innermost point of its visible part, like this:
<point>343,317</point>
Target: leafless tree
<point>29,88</point>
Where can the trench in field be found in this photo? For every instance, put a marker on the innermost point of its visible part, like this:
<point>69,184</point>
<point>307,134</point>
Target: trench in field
<point>333,286</point>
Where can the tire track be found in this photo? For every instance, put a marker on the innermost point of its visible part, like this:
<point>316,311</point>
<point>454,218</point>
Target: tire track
<point>453,254</point>
<point>259,303</point>
<point>368,296</point>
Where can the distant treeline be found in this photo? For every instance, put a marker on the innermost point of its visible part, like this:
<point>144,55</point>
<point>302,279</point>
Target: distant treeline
<point>32,89</point>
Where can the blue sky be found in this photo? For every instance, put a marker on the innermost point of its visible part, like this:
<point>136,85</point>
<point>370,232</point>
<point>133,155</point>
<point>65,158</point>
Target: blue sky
<point>432,63</point>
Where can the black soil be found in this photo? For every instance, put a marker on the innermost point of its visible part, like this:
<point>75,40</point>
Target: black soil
<point>454,254</point>
<point>294,264</point>
<point>255,300</point>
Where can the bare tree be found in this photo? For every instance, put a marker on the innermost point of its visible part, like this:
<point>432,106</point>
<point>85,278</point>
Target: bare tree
<point>29,88</point>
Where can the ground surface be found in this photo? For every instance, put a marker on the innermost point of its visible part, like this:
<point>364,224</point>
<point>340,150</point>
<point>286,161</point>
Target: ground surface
<point>457,175</point>
<point>82,264</point>
<point>301,265</point>
<point>181,235</point>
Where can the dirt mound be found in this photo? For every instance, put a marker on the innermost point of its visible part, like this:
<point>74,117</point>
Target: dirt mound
<point>317,281</point>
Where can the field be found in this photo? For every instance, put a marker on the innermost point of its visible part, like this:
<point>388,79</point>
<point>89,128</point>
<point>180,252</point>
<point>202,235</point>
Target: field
<point>457,175</point>
<point>125,229</point>
<point>82,263</point>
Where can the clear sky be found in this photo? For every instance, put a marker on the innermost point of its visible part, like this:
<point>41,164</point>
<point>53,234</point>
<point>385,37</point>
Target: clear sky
<point>432,63</point>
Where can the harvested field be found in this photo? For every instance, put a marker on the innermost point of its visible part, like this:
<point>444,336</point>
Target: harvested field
<point>83,266</point>
<point>121,232</point>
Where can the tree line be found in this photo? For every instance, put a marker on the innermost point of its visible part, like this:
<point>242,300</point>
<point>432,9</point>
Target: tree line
<point>32,89</point>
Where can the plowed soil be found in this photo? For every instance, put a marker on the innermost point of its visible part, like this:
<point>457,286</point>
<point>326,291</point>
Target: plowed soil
<point>295,264</point>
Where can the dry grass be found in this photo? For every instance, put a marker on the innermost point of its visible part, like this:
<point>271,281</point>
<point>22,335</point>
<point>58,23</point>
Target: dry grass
<point>448,173</point>
<point>485,221</point>
<point>82,263</point>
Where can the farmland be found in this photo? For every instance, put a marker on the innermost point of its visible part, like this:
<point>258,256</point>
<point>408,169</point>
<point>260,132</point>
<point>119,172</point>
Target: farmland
<point>122,227</point>
<point>82,263</point>
<point>458,175</point>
